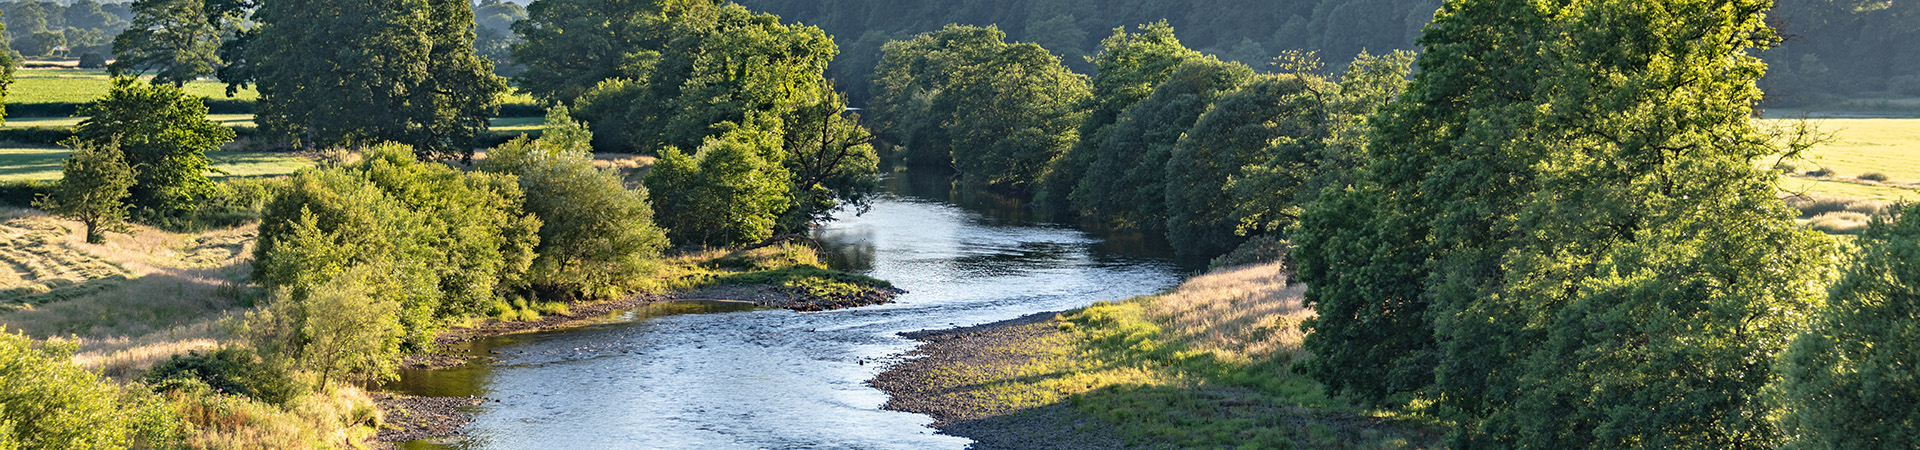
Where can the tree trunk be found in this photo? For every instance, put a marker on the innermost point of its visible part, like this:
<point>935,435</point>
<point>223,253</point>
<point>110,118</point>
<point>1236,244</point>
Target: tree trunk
<point>94,236</point>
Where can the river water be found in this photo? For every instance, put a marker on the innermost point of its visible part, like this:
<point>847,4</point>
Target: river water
<point>718,375</point>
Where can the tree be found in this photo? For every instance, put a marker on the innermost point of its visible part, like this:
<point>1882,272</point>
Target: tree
<point>48,403</point>
<point>732,191</point>
<point>360,72</point>
<point>87,15</point>
<point>1235,132</point>
<point>7,65</point>
<point>999,113</point>
<point>716,65</point>
<point>1125,181</point>
<point>1577,224</point>
<point>177,40</point>
<point>830,159</point>
<point>1269,197</point>
<point>598,237</point>
<point>349,330</point>
<point>1847,380</point>
<point>446,242</point>
<point>92,189</point>
<point>165,135</point>
<point>1130,67</point>
<point>570,46</point>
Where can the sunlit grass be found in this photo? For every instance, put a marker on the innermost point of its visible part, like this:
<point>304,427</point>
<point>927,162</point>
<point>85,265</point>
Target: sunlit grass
<point>24,163</point>
<point>1206,365</point>
<point>81,86</point>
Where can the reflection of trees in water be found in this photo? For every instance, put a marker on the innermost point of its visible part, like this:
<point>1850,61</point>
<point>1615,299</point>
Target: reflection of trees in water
<point>847,250</point>
<point>1017,260</point>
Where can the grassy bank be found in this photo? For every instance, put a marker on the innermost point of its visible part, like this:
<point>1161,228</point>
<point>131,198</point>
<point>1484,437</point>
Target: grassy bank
<point>1206,365</point>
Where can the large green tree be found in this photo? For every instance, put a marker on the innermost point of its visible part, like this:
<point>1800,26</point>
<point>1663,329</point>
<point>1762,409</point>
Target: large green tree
<point>355,73</point>
<point>1125,183</point>
<point>1849,380</point>
<point>570,46</point>
<point>176,40</point>
<point>1130,67</point>
<point>7,65</point>
<point>165,135</point>
<point>1562,237</point>
<point>962,97</point>
<point>1235,132</point>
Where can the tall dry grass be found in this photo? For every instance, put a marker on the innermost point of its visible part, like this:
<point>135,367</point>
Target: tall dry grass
<point>168,293</point>
<point>1240,314</point>
<point>341,417</point>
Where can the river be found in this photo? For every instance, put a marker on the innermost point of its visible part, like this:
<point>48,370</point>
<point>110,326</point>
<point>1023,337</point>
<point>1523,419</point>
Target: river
<point>717,375</point>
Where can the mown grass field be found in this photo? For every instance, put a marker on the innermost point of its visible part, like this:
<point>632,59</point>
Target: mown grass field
<point>1857,148</point>
<point>81,86</point>
<point>24,163</point>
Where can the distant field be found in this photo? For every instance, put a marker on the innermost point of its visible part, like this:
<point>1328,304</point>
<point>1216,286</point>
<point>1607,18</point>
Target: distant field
<point>43,163</point>
<point>1889,147</point>
<point>81,86</point>
<point>231,120</point>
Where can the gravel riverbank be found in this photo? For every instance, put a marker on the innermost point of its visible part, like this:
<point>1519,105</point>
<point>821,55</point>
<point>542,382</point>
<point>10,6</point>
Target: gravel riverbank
<point>929,382</point>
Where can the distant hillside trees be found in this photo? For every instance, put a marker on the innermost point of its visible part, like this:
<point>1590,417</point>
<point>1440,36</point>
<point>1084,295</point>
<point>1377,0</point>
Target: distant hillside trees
<point>442,244</point>
<point>355,73</point>
<point>1848,380</point>
<point>963,97</point>
<point>1564,241</point>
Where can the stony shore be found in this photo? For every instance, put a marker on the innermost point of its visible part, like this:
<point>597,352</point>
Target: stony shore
<point>415,418</point>
<point>960,407</point>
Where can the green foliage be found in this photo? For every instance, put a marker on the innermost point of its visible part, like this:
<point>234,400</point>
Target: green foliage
<point>356,73</point>
<point>1848,380</point>
<point>49,403</point>
<point>177,40</point>
<point>1125,184</point>
<point>7,65</point>
<point>999,113</point>
<point>1235,132</point>
<point>447,241</point>
<point>712,65</point>
<point>572,45</point>
<point>165,135</point>
<point>598,237</point>
<point>93,185</point>
<point>349,327</point>
<point>1130,66</point>
<point>230,370</point>
<point>1563,240</point>
<point>831,161</point>
<point>732,191</point>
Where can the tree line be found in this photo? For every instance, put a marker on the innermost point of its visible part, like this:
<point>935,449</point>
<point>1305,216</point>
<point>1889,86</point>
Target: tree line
<point>1544,237</point>
<point>82,29</point>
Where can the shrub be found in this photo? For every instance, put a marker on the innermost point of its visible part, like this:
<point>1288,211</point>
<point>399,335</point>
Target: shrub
<point>1874,176</point>
<point>1815,206</point>
<point>47,402</point>
<point>231,370</point>
<point>93,61</point>
<point>1848,380</point>
<point>347,328</point>
<point>1820,172</point>
<point>732,191</point>
<point>598,237</point>
<point>1261,249</point>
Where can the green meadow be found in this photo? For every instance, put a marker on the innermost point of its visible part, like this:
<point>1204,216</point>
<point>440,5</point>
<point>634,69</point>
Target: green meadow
<point>27,163</point>
<point>81,86</point>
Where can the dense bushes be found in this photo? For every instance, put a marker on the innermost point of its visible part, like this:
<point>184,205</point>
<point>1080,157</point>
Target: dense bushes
<point>231,370</point>
<point>598,238</point>
<point>1848,381</point>
<point>445,242</point>
<point>47,402</point>
<point>731,191</point>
